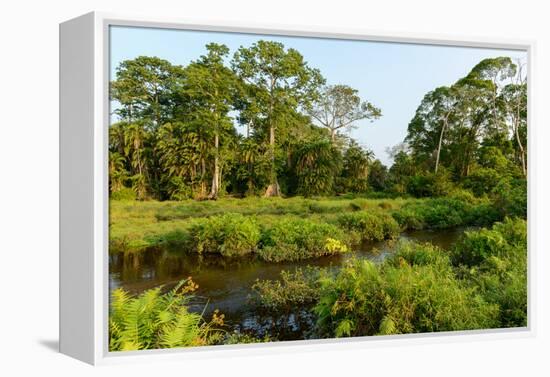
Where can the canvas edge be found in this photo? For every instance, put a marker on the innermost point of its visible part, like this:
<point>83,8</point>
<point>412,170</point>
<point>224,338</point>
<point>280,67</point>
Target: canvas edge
<point>102,356</point>
<point>76,190</point>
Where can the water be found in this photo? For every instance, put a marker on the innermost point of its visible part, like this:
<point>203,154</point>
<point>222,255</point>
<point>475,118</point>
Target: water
<point>225,284</point>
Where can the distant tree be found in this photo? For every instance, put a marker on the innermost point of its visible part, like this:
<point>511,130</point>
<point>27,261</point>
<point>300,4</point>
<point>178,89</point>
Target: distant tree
<point>339,106</point>
<point>426,131</point>
<point>378,175</point>
<point>317,164</point>
<point>355,172</point>
<point>143,88</point>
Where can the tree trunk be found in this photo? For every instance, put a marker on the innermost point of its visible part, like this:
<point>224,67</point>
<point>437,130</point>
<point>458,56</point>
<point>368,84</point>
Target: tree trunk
<point>203,183</point>
<point>273,189</point>
<point>440,143</point>
<point>332,134</point>
<point>216,176</point>
<point>521,152</point>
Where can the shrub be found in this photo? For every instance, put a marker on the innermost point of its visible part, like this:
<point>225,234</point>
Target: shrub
<point>294,239</point>
<point>124,193</point>
<point>506,240</point>
<point>365,300</point>
<point>495,262</point>
<point>371,226</point>
<point>510,197</point>
<point>154,320</point>
<point>294,288</point>
<point>230,234</point>
<point>482,180</point>
<point>429,184</point>
<point>415,254</point>
<point>443,213</point>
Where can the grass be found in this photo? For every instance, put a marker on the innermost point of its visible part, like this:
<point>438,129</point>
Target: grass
<point>138,225</point>
<point>280,229</point>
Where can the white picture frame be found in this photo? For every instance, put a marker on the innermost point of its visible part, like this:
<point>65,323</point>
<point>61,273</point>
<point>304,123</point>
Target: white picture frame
<point>84,118</point>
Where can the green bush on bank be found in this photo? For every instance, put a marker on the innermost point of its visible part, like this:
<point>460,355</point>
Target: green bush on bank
<point>295,239</point>
<point>230,235</point>
<point>447,212</point>
<point>399,297</point>
<point>371,226</point>
<point>494,261</point>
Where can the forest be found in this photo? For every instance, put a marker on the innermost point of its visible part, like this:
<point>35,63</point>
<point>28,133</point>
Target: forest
<point>241,164</point>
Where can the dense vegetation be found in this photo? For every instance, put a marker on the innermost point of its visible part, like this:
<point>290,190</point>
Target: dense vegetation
<point>480,284</point>
<point>244,155</point>
<point>176,135</point>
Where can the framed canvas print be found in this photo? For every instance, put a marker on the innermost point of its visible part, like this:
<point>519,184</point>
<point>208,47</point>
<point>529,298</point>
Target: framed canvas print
<point>228,187</point>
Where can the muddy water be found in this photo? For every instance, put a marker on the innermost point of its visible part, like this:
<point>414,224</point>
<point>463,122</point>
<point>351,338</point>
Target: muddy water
<point>225,284</point>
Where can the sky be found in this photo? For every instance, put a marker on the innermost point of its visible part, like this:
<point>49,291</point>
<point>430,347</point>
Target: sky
<point>393,76</point>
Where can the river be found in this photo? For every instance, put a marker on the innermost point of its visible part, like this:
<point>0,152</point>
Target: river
<point>225,284</point>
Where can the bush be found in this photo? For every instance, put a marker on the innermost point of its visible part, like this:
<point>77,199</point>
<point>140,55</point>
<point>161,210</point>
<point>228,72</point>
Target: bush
<point>124,193</point>
<point>429,184</point>
<point>154,320</point>
<point>230,235</point>
<point>294,288</point>
<point>507,240</point>
<point>495,262</point>
<point>409,298</point>
<point>510,197</point>
<point>415,254</point>
<point>443,213</point>
<point>295,239</point>
<point>482,180</point>
<point>371,226</point>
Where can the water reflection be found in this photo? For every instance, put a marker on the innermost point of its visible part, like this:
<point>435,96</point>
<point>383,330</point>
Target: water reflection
<point>225,283</point>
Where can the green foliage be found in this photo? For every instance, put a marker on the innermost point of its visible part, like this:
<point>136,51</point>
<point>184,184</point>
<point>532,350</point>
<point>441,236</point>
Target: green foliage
<point>355,172</point>
<point>430,184</point>
<point>510,197</point>
<point>482,180</point>
<point>363,299</point>
<point>154,320</point>
<point>442,213</point>
<point>372,226</point>
<point>294,239</point>
<point>243,338</point>
<point>495,262</point>
<point>229,235</point>
<point>124,193</point>
<point>317,164</point>
<point>294,289</point>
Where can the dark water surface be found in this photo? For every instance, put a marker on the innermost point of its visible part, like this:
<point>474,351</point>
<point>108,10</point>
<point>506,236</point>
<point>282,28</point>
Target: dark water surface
<point>225,284</point>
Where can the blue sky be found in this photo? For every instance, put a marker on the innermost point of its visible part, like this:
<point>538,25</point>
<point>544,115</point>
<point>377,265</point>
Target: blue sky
<point>393,76</point>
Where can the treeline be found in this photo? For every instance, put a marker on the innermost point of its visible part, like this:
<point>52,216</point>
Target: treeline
<point>473,133</point>
<point>176,135</point>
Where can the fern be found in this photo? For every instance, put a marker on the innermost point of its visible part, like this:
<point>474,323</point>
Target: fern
<point>155,320</point>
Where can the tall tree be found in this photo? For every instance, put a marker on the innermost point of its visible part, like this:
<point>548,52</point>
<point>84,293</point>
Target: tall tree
<point>143,89</point>
<point>339,106</point>
<point>282,82</point>
<point>514,98</point>
<point>426,131</point>
<point>210,86</point>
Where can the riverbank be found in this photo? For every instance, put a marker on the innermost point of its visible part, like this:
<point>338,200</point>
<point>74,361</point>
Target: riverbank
<point>280,229</point>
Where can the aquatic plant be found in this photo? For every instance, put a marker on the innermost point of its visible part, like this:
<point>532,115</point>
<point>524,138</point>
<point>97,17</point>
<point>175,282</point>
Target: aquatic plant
<point>293,289</point>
